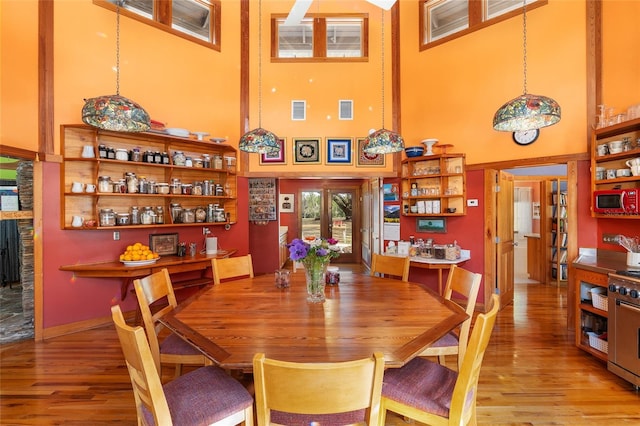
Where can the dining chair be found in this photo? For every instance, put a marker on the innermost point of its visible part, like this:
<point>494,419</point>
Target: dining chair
<point>172,349</point>
<point>430,393</point>
<point>466,283</point>
<point>206,395</point>
<point>294,393</point>
<point>231,267</point>
<point>390,266</point>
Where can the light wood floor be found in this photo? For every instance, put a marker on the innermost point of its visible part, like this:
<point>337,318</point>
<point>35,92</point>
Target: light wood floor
<point>532,375</point>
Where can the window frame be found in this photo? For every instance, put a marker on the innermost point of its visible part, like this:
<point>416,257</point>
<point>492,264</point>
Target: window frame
<point>476,20</point>
<point>320,38</point>
<point>162,20</point>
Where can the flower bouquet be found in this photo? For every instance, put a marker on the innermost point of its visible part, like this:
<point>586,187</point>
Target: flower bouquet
<point>315,254</point>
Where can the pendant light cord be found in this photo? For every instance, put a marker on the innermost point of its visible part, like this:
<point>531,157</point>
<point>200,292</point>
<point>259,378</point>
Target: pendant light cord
<point>118,47</point>
<point>260,63</point>
<point>382,47</point>
<point>524,44</point>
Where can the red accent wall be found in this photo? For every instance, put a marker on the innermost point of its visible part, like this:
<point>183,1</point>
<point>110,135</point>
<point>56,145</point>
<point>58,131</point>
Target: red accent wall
<point>68,298</point>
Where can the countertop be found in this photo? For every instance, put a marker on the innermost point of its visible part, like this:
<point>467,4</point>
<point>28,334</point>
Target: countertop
<point>601,261</point>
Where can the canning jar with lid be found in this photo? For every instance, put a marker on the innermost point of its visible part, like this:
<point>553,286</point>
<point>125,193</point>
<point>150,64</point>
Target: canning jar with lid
<point>135,215</point>
<point>188,216</point>
<point>107,217</point>
<point>122,154</point>
<point>159,215</point>
<point>176,211</point>
<point>104,184</point>
<point>178,158</point>
<point>201,214</point>
<point>147,217</point>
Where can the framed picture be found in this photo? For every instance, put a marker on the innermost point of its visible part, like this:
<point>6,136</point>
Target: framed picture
<point>278,158</point>
<point>364,159</point>
<point>306,151</point>
<point>339,150</point>
<point>391,192</point>
<point>432,224</point>
<point>164,244</point>
<point>391,213</point>
<point>286,203</point>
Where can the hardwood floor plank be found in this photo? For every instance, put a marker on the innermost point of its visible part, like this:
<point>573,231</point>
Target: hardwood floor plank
<point>532,375</point>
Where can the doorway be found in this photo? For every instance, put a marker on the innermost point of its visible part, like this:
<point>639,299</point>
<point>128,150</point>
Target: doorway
<point>333,213</point>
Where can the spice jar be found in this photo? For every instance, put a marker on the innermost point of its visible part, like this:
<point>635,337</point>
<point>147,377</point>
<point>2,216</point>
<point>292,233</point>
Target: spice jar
<point>159,215</point>
<point>135,215</point>
<point>132,182</point>
<point>176,212</point>
<point>197,188</point>
<point>188,216</point>
<point>147,217</point>
<point>104,184</point>
<point>178,158</point>
<point>122,154</point>
<point>201,214</point>
<point>122,219</point>
<point>135,155</point>
<point>188,162</point>
<point>107,217</point>
<point>187,188</point>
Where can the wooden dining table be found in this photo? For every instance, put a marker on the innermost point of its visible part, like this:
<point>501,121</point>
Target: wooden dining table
<point>232,321</point>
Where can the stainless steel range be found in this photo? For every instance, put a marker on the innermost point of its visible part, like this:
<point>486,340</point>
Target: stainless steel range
<point>624,325</point>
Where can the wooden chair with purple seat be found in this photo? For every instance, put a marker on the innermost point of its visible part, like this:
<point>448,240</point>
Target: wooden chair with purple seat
<point>172,349</point>
<point>207,395</point>
<point>431,393</point>
<point>467,284</point>
<point>336,393</point>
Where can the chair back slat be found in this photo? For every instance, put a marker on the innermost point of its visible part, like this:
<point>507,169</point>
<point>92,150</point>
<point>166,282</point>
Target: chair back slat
<point>231,267</point>
<point>318,388</point>
<point>390,266</point>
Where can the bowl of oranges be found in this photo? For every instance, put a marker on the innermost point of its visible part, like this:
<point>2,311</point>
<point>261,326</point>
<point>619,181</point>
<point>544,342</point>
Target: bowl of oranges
<point>138,254</point>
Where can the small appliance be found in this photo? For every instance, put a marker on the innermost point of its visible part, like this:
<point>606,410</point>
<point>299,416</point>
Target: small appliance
<point>616,201</point>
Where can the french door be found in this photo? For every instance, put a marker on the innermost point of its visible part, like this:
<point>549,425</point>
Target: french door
<point>333,213</point>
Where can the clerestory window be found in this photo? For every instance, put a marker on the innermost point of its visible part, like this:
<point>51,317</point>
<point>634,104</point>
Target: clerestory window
<point>320,38</point>
<point>444,20</point>
<point>194,20</point>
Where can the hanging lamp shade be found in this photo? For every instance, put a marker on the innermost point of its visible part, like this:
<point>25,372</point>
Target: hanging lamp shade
<point>384,141</point>
<point>260,141</point>
<point>527,112</point>
<point>117,113</point>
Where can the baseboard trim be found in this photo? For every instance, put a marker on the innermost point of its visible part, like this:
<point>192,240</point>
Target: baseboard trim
<point>74,327</point>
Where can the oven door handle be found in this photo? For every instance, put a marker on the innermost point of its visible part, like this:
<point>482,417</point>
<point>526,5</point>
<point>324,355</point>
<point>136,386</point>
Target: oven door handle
<point>629,306</point>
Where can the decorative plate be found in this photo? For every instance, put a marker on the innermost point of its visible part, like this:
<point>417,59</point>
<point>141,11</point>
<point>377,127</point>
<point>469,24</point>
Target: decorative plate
<point>218,140</point>
<point>139,262</point>
<point>176,131</point>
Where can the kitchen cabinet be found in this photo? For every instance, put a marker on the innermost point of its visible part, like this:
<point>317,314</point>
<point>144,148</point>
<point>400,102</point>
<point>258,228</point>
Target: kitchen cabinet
<point>84,169</point>
<point>560,227</point>
<point>590,318</point>
<point>434,185</point>
<point>604,161</point>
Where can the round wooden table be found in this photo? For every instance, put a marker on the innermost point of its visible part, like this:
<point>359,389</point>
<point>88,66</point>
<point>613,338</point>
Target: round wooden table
<point>232,321</point>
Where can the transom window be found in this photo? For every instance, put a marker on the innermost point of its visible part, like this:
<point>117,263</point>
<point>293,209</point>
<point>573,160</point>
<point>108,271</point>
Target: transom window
<point>195,20</point>
<point>444,20</point>
<point>319,37</point>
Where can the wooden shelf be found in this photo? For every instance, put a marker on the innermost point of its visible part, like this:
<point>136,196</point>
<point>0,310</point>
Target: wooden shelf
<point>13,215</point>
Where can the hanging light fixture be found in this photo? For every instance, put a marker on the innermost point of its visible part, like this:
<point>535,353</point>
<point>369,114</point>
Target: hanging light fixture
<point>526,112</point>
<point>259,140</point>
<point>383,141</point>
<point>115,112</point>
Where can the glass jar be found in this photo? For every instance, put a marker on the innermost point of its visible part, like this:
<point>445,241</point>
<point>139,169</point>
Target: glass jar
<point>104,184</point>
<point>159,215</point>
<point>157,157</point>
<point>188,162</point>
<point>107,217</point>
<point>217,162</point>
<point>122,154</point>
<point>132,182</point>
<point>178,158</point>
<point>200,214</point>
<point>210,213</point>
<point>197,163</point>
<point>111,153</point>
<point>122,219</point>
<point>439,251</point>
<point>147,217</point>
<point>206,161</point>
<point>135,155</point>
<point>102,151</point>
<point>188,216</point>
<point>197,188</point>
<point>135,215</point>
<point>187,188</point>
<point>332,276</point>
<point>176,211</point>
<point>219,214</point>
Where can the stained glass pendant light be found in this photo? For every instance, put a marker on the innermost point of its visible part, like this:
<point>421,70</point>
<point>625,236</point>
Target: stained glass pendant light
<point>115,112</point>
<point>259,140</point>
<point>383,141</point>
<point>526,112</point>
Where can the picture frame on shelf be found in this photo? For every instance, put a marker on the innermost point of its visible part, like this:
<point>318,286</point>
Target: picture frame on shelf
<point>339,150</point>
<point>306,150</point>
<point>278,158</point>
<point>367,160</point>
<point>437,225</point>
<point>164,244</point>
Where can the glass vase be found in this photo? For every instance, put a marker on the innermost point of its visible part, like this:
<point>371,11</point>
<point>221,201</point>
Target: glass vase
<point>315,275</point>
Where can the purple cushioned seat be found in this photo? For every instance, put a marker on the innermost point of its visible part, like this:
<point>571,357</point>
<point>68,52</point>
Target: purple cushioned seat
<point>341,419</point>
<point>174,345</point>
<point>422,384</point>
<point>202,397</point>
<point>448,339</point>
